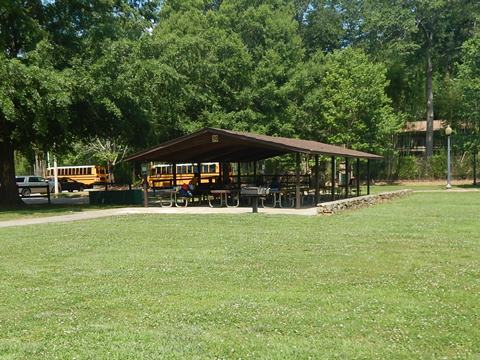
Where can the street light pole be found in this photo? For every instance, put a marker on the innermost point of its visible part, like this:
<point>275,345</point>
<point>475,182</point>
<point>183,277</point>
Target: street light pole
<point>448,132</point>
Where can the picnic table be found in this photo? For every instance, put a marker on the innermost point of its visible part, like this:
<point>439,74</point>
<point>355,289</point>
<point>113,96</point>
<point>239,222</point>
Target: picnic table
<point>223,195</point>
<point>172,199</point>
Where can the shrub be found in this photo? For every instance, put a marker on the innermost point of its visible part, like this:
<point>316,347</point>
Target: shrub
<point>408,167</point>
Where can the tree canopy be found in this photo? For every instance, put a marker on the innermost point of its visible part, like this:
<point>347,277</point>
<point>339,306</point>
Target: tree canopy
<point>143,71</point>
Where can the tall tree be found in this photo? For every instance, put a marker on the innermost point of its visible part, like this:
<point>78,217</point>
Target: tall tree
<point>323,26</point>
<point>468,81</point>
<point>34,104</point>
<point>49,50</point>
<point>340,99</point>
<point>419,29</point>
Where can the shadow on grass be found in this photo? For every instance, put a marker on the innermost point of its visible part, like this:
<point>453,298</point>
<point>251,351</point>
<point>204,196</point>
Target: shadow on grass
<point>468,186</point>
<point>38,210</point>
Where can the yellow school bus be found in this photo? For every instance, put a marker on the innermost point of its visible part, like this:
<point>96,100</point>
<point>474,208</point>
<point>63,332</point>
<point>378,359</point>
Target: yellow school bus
<point>85,174</point>
<point>161,175</point>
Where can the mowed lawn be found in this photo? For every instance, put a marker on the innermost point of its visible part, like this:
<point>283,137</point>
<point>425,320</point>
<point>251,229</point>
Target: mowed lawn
<point>398,280</point>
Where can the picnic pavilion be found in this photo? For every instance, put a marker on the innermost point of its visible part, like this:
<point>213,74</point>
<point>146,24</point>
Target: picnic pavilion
<point>226,146</point>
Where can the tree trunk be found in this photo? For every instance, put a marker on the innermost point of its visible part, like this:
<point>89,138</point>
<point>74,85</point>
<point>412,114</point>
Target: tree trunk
<point>429,138</point>
<point>8,187</point>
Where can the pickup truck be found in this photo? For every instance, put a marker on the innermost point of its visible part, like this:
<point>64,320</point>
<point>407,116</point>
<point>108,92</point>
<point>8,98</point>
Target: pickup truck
<point>33,184</point>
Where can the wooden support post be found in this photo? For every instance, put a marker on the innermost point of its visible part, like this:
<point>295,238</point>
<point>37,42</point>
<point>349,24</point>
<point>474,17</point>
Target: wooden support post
<point>199,171</point>
<point>317,181</point>
<point>239,176</point>
<point>347,177</point>
<point>255,173</point>
<point>145,192</point>
<point>174,172</point>
<point>333,177</point>
<point>297,181</point>
<point>357,176</point>
<point>368,177</point>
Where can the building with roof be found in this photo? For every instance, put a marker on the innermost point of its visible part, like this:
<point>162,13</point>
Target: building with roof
<point>411,140</point>
<point>226,146</point>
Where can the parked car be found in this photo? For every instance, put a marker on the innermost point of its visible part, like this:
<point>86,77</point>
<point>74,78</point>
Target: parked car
<point>33,184</point>
<point>70,185</point>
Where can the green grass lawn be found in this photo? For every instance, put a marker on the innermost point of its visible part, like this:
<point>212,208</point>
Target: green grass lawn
<point>375,189</point>
<point>398,280</point>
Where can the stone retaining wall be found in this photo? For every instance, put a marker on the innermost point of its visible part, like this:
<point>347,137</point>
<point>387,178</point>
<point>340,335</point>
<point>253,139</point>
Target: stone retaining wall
<point>333,207</point>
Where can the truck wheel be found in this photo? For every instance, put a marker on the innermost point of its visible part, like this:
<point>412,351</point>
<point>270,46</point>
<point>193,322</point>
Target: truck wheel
<point>26,192</point>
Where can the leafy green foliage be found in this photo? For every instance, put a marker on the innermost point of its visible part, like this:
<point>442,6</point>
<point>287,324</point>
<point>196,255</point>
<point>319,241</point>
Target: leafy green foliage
<point>145,71</point>
<point>34,104</point>
<point>468,83</point>
<point>343,101</point>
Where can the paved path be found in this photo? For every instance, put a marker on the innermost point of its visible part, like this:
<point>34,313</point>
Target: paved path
<point>197,210</point>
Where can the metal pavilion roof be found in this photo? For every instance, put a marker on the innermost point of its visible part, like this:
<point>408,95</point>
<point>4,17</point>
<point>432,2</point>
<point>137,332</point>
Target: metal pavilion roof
<point>218,145</point>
